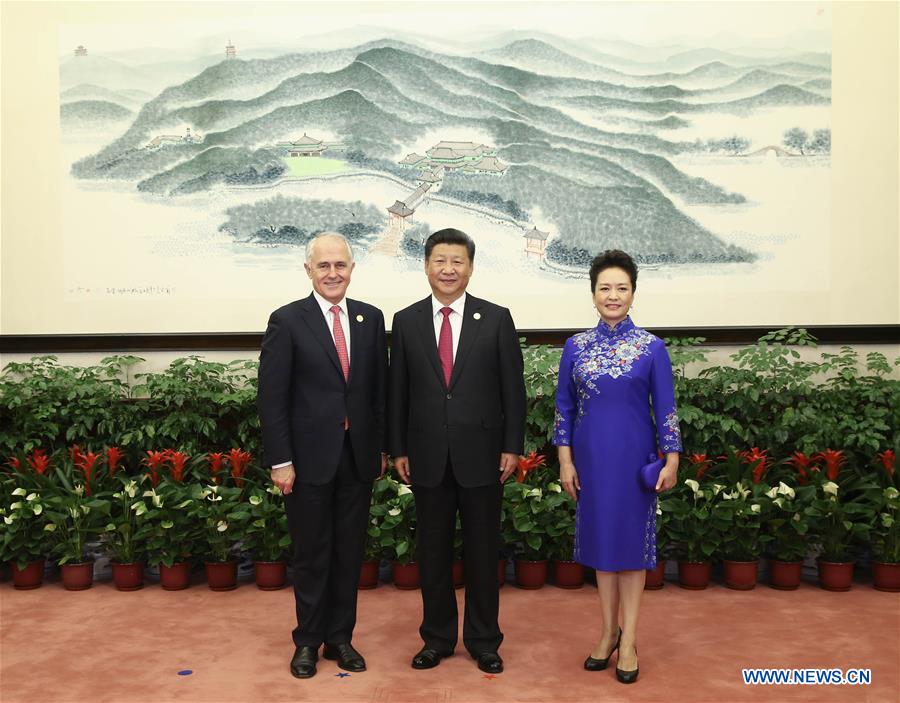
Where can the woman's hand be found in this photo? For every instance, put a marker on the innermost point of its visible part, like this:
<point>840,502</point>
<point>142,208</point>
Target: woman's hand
<point>669,474</point>
<point>568,477</point>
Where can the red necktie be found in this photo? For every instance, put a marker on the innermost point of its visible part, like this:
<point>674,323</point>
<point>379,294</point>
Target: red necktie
<point>445,345</point>
<point>340,342</point>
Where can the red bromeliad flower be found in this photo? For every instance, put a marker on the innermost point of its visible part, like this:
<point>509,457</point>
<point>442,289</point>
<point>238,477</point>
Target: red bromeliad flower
<point>177,461</point>
<point>756,455</point>
<point>887,459</point>
<point>215,465</point>
<point>14,462</point>
<point>239,460</point>
<point>75,452</point>
<point>114,457</point>
<point>803,465</point>
<point>154,461</point>
<point>86,462</point>
<point>700,463</point>
<point>834,459</point>
<point>528,464</point>
<point>39,461</point>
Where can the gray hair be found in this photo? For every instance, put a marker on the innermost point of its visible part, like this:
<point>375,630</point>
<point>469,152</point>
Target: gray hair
<point>312,242</point>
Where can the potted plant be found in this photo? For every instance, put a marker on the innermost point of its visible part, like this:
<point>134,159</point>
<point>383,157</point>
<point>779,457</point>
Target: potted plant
<point>127,531</point>
<point>172,529</point>
<point>382,491</point>
<point>696,529</point>
<point>221,515</point>
<point>840,515</point>
<point>567,573</point>
<point>267,537</point>
<point>740,511</point>
<point>787,531</point>
<point>398,534</point>
<point>886,530</point>
<point>75,518</point>
<point>23,541</point>
<point>530,516</point>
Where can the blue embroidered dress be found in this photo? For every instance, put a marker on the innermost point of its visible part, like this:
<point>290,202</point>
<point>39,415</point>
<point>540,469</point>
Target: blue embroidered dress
<point>607,380</point>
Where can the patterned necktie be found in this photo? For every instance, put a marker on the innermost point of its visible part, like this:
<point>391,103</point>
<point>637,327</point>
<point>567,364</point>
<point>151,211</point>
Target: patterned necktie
<point>445,345</point>
<point>340,342</point>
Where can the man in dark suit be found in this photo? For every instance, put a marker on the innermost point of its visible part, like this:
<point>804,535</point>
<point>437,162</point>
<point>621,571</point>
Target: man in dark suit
<point>457,426</point>
<point>321,401</point>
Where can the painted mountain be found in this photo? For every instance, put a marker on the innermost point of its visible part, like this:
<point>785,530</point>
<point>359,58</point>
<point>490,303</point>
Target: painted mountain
<point>586,139</point>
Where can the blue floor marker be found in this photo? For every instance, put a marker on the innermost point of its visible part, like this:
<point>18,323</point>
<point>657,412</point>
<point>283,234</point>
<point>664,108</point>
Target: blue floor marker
<point>342,675</point>
<point>185,672</point>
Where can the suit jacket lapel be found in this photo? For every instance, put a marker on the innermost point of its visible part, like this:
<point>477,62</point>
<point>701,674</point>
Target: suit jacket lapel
<point>315,320</point>
<point>471,326</point>
<point>356,328</point>
<point>426,330</point>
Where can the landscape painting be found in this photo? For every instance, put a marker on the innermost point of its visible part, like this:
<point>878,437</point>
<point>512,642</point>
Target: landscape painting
<point>197,170</point>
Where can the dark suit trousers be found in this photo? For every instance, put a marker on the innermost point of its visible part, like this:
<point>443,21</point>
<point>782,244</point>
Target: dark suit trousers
<point>479,511</point>
<point>328,530</point>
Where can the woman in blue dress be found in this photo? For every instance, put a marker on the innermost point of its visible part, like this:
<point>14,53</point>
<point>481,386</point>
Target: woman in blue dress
<point>615,408</point>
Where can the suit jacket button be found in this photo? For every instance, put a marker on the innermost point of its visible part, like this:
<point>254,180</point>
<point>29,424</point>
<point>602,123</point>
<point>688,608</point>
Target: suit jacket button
<point>449,396</point>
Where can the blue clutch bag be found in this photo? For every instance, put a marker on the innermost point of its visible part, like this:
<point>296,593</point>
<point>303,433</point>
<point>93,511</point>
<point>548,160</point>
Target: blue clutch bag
<point>650,472</point>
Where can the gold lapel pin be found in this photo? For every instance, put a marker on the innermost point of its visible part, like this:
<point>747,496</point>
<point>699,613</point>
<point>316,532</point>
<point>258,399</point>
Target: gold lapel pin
<point>359,318</point>
<point>477,315</point>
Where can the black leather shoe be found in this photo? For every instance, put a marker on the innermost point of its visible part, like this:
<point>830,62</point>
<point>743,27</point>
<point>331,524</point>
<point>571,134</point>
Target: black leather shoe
<point>627,676</point>
<point>592,664</point>
<point>303,663</point>
<point>428,658</point>
<point>490,662</point>
<point>347,658</point>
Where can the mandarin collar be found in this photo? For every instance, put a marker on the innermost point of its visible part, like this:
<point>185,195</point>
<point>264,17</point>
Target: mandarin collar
<point>624,326</point>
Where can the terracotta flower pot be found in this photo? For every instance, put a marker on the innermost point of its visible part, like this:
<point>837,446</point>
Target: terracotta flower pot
<point>501,572</point>
<point>128,577</point>
<point>568,574</point>
<point>32,576</point>
<point>176,577</point>
<point>368,574</point>
<point>656,577</point>
<point>741,575</point>
<point>531,574</point>
<point>886,576</point>
<point>784,575</point>
<point>406,576</point>
<point>270,575</point>
<point>221,575</point>
<point>835,575</point>
<point>693,575</point>
<point>77,577</point>
<point>459,573</point>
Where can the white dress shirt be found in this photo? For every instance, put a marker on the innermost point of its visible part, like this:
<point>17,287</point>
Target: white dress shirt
<point>456,319</point>
<point>329,318</point>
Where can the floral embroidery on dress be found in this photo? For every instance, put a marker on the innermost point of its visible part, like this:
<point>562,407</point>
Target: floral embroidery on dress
<point>604,352</point>
<point>560,433</point>
<point>650,537</point>
<point>671,438</point>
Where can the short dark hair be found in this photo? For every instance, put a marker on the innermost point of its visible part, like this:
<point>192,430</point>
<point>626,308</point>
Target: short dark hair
<point>450,236</point>
<point>613,258</point>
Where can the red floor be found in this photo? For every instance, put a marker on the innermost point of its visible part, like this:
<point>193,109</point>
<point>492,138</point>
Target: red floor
<point>103,645</point>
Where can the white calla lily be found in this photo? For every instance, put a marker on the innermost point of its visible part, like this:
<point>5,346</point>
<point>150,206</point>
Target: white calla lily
<point>255,500</point>
<point>31,497</point>
<point>403,490</point>
<point>19,492</point>
<point>830,488</point>
<point>755,508</point>
<point>394,512</point>
<point>222,525</point>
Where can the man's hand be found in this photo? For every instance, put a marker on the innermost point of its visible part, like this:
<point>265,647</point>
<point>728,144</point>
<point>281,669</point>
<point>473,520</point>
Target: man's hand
<point>508,463</point>
<point>401,463</point>
<point>283,477</point>
<point>384,464</point>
